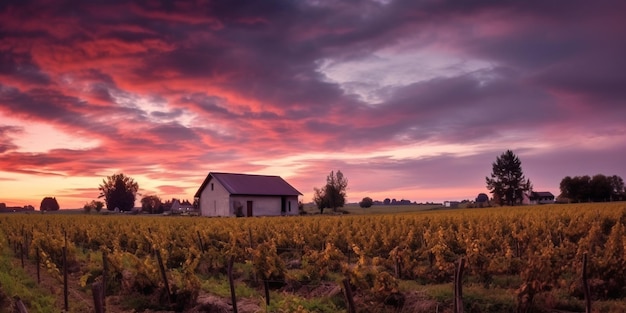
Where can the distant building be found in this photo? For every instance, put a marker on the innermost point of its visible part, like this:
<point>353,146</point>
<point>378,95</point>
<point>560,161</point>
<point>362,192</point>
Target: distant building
<point>540,197</point>
<point>181,207</point>
<point>229,194</point>
<point>10,209</point>
<point>451,204</point>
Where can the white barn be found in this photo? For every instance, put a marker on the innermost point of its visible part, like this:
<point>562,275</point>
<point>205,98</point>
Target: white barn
<point>230,194</point>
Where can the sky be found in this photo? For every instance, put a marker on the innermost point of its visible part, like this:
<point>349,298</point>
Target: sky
<point>408,99</point>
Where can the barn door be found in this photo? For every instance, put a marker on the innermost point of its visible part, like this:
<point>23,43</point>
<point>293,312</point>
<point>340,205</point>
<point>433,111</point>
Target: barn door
<point>283,205</point>
<point>249,208</point>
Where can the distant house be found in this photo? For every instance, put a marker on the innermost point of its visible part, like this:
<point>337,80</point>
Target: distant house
<point>231,194</point>
<point>451,204</point>
<point>540,197</point>
<point>181,207</point>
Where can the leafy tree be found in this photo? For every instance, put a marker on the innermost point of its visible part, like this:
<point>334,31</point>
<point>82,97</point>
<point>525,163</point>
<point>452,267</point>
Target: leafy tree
<point>320,200</point>
<point>93,206</point>
<point>333,194</point>
<point>601,189</point>
<point>617,186</point>
<point>366,202</point>
<point>151,204</point>
<point>49,204</point>
<point>596,188</point>
<point>119,191</point>
<point>507,182</point>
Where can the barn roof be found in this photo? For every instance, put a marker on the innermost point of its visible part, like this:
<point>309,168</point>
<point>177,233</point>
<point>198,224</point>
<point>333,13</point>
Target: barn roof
<point>247,184</point>
<point>541,194</point>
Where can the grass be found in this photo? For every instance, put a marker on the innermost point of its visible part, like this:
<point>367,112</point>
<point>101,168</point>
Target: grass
<point>219,286</point>
<point>475,297</point>
<point>281,302</point>
<point>15,282</point>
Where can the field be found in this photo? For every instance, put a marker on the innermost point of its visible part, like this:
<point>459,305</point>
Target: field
<point>521,259</point>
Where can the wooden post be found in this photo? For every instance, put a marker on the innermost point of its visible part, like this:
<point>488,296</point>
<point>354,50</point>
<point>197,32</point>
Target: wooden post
<point>398,268</point>
<point>163,275</point>
<point>586,286</point>
<point>19,305</point>
<point>26,244</point>
<point>266,287</point>
<point>37,261</point>
<point>233,297</point>
<point>105,275</point>
<point>458,286</point>
<point>200,242</point>
<point>98,301</point>
<point>22,254</point>
<point>254,276</point>
<point>348,293</point>
<point>250,237</point>
<point>65,298</point>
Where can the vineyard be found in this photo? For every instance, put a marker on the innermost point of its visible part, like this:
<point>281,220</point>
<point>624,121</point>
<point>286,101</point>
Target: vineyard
<point>521,259</point>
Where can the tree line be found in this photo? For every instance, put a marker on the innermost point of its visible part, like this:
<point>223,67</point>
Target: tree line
<point>508,185</point>
<point>599,188</point>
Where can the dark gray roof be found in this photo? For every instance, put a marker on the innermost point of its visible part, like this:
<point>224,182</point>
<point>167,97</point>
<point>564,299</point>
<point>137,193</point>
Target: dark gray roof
<point>246,184</point>
<point>541,194</point>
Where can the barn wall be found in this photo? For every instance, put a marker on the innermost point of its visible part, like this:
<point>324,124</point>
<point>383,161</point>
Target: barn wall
<point>214,202</point>
<point>261,206</point>
<point>293,202</point>
<point>265,205</point>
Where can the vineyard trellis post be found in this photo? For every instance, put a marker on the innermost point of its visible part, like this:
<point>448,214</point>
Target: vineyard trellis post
<point>98,300</point>
<point>65,290</point>
<point>19,305</point>
<point>348,293</point>
<point>231,282</point>
<point>586,289</point>
<point>22,254</point>
<point>458,286</point>
<point>163,275</point>
<point>266,288</point>
<point>254,276</point>
<point>200,243</point>
<point>105,275</point>
<point>37,261</point>
<point>398,267</point>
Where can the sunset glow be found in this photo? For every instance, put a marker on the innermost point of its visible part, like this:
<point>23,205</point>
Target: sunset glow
<point>409,99</point>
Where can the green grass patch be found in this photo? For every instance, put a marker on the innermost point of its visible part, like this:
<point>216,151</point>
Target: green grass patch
<point>281,302</point>
<point>219,286</point>
<point>15,282</point>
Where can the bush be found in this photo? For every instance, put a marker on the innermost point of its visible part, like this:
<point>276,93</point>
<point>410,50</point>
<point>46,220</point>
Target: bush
<point>49,204</point>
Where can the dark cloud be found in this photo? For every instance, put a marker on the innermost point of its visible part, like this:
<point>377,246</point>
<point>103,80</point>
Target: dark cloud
<point>173,133</point>
<point>167,115</point>
<point>21,66</point>
<point>6,143</point>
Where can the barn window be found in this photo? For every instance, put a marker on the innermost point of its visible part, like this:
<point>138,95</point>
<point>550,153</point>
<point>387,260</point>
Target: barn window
<point>211,186</point>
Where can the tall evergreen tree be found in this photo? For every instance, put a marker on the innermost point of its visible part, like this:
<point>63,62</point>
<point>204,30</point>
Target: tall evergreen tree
<point>507,182</point>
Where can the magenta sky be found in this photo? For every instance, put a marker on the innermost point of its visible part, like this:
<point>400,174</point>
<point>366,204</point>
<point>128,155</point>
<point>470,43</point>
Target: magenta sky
<point>409,99</point>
